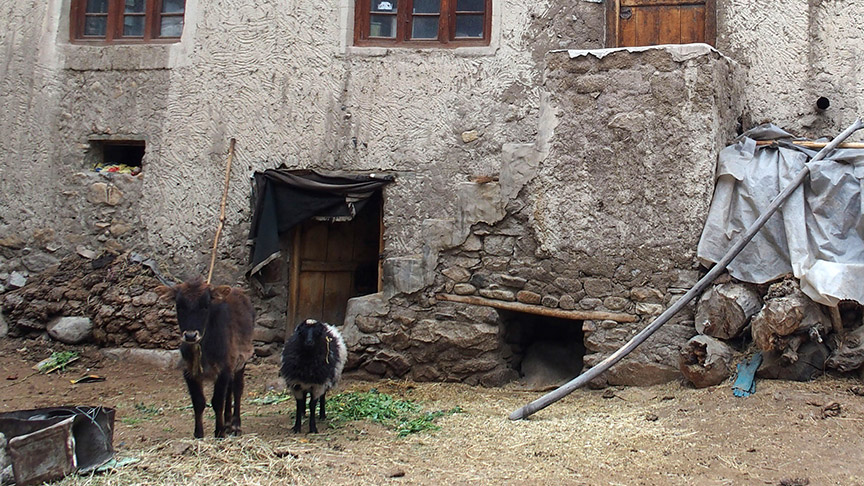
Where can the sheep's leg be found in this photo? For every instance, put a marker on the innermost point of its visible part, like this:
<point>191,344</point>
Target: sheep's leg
<point>323,414</point>
<point>196,393</point>
<point>301,410</point>
<point>312,402</point>
<point>238,385</point>
<point>220,389</point>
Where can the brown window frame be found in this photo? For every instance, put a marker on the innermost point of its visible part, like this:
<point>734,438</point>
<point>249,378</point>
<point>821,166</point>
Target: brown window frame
<point>114,29</point>
<point>446,26</point>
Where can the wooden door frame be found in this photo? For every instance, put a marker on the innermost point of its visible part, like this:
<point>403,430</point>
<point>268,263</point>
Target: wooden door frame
<point>613,16</point>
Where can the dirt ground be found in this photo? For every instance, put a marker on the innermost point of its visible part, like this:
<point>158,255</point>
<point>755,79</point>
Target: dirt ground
<point>786,433</point>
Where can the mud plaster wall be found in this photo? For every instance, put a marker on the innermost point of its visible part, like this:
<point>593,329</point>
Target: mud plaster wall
<point>795,52</point>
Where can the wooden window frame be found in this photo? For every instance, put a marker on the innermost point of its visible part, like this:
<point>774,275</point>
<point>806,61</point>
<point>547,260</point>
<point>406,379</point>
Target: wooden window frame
<point>114,28</point>
<point>613,12</point>
<point>446,27</point>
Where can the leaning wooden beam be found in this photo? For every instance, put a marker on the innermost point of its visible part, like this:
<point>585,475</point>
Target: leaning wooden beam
<point>697,289</point>
<point>539,309</point>
<point>814,145</point>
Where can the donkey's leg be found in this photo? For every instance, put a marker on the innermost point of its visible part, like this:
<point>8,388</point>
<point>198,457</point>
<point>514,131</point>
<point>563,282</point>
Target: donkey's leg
<point>196,393</point>
<point>220,389</point>
<point>237,386</point>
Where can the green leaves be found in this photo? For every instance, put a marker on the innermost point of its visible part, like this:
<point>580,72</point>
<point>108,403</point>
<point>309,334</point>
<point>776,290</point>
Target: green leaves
<point>405,416</point>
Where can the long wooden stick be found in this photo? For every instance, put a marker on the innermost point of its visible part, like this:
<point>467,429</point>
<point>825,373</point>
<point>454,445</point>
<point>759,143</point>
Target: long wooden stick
<point>697,289</point>
<point>221,209</point>
<point>813,145</point>
<point>539,310</point>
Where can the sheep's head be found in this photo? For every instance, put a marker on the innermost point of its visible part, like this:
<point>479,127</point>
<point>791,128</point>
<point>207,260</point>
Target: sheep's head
<point>311,333</point>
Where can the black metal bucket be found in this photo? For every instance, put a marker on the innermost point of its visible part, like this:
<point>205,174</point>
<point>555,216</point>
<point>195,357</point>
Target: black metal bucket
<point>49,443</point>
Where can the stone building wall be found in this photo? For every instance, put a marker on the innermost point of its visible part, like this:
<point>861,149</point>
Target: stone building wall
<point>582,197</point>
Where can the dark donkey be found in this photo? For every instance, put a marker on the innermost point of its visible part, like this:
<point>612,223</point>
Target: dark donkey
<point>216,324</point>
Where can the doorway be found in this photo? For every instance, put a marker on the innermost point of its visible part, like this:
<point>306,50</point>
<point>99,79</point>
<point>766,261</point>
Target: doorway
<point>333,261</point>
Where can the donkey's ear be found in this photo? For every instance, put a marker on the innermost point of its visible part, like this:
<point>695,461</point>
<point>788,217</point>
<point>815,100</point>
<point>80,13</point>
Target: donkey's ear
<point>166,292</point>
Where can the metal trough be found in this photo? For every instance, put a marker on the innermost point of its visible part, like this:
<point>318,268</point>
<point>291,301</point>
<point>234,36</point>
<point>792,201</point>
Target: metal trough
<point>49,443</point>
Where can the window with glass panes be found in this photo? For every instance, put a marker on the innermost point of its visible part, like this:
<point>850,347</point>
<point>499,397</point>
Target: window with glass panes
<point>127,20</point>
<point>436,23</point>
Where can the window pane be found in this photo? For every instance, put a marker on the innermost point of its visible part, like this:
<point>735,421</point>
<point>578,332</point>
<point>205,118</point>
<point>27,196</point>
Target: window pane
<point>173,6</point>
<point>424,28</point>
<point>171,27</point>
<point>382,26</point>
<point>384,5</point>
<point>97,6</point>
<point>135,6</point>
<point>427,6</point>
<point>133,25</point>
<point>95,26</point>
<point>470,5</point>
<point>469,26</point>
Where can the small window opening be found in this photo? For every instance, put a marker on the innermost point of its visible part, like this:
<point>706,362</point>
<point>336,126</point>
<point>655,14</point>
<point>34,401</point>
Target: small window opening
<point>546,351</point>
<point>121,156</point>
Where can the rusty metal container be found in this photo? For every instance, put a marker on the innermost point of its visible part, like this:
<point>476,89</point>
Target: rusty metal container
<point>49,443</point>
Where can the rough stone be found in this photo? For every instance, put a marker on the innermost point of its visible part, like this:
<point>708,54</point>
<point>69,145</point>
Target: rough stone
<point>511,281</point>
<point>645,294</point>
<point>267,335</point>
<point>464,289</point>
<point>499,245</point>
<point>159,358</point>
<point>457,274</point>
<point>567,302</point>
<point>470,136</point>
<point>16,280</point>
<point>528,297</point>
<point>589,303</point>
<point>13,242</point>
<point>70,330</point>
<point>549,301</point>
<point>649,309</point>
<point>404,274</point>
<point>497,294</point>
<point>615,303</point>
<point>472,243</point>
<point>4,328</point>
<point>597,287</point>
<point>103,193</point>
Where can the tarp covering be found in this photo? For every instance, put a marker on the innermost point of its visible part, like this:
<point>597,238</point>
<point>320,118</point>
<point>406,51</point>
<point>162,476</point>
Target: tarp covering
<point>817,234</point>
<point>285,198</point>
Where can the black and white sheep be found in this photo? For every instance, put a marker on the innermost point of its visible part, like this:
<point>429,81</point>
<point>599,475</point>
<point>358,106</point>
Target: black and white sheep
<point>312,363</point>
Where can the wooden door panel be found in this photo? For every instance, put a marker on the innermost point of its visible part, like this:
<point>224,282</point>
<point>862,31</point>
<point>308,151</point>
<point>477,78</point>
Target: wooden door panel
<point>310,298</point>
<point>633,23</point>
<point>337,290</point>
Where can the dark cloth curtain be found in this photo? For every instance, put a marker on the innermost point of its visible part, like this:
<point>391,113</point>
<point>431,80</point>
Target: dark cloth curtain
<point>285,198</point>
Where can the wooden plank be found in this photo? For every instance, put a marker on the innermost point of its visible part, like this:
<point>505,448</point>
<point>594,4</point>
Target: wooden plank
<point>294,282</point>
<point>692,24</point>
<point>310,298</point>
<point>814,145</point>
<point>539,309</point>
<point>660,3</point>
<point>627,30</point>
<point>710,30</point>
<point>338,288</point>
<point>670,25</point>
<point>613,27</point>
<point>647,23</point>
<point>313,245</point>
<point>340,241</point>
<point>327,266</point>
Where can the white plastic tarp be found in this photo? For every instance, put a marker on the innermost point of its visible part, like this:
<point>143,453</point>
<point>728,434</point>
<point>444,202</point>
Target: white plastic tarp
<point>817,234</point>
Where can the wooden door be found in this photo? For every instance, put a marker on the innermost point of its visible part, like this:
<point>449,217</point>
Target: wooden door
<point>333,262</point>
<point>633,23</point>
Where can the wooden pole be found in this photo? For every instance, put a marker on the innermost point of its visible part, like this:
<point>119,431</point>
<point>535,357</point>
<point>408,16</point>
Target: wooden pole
<point>221,209</point>
<point>539,310</point>
<point>709,277</point>
<point>812,145</point>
